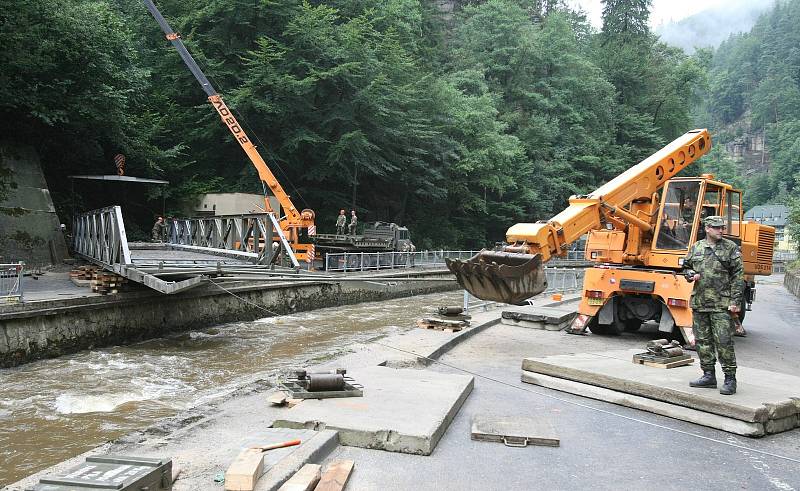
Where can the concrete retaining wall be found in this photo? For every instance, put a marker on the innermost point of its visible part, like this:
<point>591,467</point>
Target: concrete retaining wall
<point>50,329</point>
<point>29,226</point>
<point>792,283</point>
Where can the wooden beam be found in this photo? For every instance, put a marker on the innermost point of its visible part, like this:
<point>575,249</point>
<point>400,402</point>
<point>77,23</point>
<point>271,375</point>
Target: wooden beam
<point>303,480</point>
<point>335,476</point>
<point>244,472</point>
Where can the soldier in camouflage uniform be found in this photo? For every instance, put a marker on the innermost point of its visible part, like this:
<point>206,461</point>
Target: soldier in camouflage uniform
<point>341,221</point>
<point>715,265</point>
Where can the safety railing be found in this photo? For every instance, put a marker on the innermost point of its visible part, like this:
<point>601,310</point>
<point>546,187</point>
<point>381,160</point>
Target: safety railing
<point>99,235</point>
<point>784,256</point>
<point>249,234</point>
<point>369,261</point>
<point>11,275</point>
<point>366,261</point>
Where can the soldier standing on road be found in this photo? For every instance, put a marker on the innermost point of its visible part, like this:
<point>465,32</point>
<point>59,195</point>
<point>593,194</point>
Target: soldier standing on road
<point>353,222</point>
<point>341,221</point>
<point>715,265</point>
<point>158,230</point>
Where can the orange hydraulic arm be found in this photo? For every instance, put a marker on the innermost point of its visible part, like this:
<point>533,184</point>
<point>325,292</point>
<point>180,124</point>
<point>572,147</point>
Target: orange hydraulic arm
<point>585,213</point>
<point>294,219</point>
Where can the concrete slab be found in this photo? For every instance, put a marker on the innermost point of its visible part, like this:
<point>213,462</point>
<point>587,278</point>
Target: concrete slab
<point>539,317</point>
<point>514,431</point>
<point>762,396</point>
<point>650,405</point>
<point>402,410</point>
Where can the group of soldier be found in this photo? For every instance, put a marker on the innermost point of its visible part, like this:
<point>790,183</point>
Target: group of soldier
<point>341,222</point>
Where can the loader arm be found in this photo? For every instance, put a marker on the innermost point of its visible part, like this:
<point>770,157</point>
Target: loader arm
<point>516,274</point>
<point>294,218</point>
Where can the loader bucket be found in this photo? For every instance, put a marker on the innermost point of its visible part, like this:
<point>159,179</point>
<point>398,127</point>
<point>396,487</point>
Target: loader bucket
<point>500,276</point>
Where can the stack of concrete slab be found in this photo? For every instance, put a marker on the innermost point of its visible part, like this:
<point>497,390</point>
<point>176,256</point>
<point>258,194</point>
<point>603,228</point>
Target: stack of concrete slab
<point>766,402</point>
<point>402,410</point>
<point>550,318</point>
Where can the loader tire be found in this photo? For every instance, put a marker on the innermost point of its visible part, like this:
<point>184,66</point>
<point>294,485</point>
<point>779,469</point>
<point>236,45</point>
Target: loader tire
<point>598,328</point>
<point>632,325</point>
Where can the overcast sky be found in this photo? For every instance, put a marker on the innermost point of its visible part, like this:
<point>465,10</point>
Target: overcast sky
<point>662,11</point>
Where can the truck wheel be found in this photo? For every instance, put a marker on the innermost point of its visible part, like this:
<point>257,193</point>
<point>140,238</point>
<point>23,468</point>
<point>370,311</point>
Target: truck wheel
<point>596,327</point>
<point>743,307</point>
<point>632,325</point>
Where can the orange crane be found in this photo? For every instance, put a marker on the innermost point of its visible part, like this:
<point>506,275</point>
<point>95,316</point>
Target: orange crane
<point>640,225</point>
<point>294,221</point>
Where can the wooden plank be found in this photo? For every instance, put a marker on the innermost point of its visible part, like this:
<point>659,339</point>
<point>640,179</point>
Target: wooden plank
<point>335,476</point>
<point>244,471</point>
<point>672,364</point>
<point>303,480</point>
<point>278,398</point>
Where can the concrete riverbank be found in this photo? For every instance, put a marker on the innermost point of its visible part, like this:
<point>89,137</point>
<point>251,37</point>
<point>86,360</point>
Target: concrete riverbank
<point>47,328</point>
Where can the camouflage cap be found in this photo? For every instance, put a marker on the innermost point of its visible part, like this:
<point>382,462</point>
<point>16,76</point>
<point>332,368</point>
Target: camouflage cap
<point>714,221</point>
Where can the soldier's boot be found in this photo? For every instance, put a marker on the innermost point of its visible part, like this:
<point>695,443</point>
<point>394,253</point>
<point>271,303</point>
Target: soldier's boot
<point>708,380</point>
<point>729,387</point>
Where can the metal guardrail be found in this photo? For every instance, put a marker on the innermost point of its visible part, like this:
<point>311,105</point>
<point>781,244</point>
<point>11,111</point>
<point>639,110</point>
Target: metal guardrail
<point>11,278</point>
<point>367,261</point>
<point>784,256</point>
<point>247,236</point>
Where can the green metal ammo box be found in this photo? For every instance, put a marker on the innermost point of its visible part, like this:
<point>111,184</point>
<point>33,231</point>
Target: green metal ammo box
<point>113,472</point>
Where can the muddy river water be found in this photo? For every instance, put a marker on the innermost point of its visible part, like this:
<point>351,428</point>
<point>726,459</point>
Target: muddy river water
<point>51,410</point>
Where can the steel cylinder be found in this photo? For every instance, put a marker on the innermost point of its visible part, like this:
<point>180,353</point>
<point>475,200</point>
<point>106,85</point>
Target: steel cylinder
<point>318,382</point>
<point>673,351</point>
<point>450,310</point>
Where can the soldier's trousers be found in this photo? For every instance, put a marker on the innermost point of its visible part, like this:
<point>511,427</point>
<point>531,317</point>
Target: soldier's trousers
<point>713,332</point>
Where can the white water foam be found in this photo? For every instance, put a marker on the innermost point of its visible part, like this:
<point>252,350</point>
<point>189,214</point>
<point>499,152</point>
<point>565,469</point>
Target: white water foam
<point>105,403</point>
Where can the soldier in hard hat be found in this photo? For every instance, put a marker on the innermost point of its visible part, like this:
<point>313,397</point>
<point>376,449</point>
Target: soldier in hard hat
<point>341,221</point>
<point>715,265</point>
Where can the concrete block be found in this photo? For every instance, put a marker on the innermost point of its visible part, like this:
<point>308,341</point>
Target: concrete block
<point>514,431</point>
<point>402,410</point>
<point>539,317</point>
<point>771,396</point>
<point>642,403</point>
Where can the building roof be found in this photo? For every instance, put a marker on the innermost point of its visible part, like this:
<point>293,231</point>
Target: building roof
<point>114,177</point>
<point>773,215</point>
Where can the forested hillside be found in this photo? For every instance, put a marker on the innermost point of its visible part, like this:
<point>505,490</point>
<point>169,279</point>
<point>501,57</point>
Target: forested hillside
<point>754,92</point>
<point>454,125</point>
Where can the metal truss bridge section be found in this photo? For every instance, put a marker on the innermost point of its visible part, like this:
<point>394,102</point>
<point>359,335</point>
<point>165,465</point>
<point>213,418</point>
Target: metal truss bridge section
<point>197,248</point>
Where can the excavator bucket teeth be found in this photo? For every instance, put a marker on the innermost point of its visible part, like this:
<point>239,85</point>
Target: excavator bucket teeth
<point>500,276</point>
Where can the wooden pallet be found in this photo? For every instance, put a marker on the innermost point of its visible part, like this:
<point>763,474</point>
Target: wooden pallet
<point>105,283</point>
<point>83,272</point>
<point>650,360</point>
<point>441,324</point>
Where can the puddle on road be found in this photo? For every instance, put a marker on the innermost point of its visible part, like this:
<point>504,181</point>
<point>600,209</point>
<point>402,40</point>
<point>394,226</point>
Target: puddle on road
<point>51,410</point>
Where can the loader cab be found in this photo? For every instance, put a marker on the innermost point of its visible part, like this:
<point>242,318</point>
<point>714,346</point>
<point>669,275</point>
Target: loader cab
<point>685,203</point>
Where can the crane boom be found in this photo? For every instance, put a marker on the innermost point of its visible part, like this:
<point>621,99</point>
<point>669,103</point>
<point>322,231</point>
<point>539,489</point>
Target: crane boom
<point>294,218</point>
<point>585,213</point>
